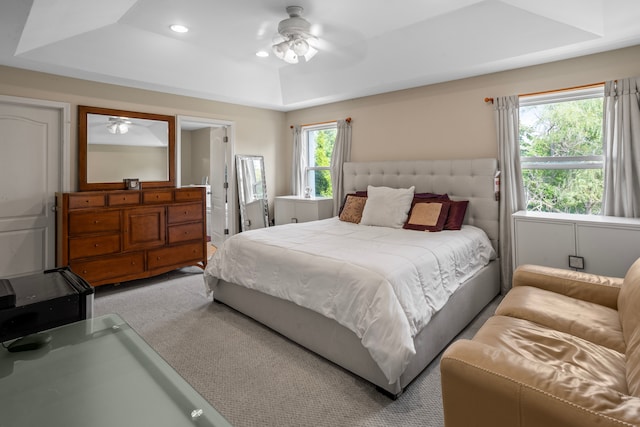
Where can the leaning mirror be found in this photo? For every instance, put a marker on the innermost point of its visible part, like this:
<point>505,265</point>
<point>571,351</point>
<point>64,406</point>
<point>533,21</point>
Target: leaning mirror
<point>114,145</point>
<point>252,192</point>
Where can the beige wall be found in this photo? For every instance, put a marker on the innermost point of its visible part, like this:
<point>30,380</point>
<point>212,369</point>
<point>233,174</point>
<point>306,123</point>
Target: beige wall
<point>451,120</point>
<point>257,131</point>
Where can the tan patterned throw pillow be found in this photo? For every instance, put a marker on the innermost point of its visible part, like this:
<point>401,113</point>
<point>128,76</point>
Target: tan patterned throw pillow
<point>427,215</point>
<point>352,209</point>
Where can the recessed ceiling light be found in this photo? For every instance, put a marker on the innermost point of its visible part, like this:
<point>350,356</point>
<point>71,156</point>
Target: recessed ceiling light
<point>262,53</point>
<point>179,28</point>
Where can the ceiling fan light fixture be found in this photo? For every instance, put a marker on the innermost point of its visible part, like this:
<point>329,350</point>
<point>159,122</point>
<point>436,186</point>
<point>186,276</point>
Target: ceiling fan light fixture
<point>310,53</point>
<point>290,57</point>
<point>118,125</point>
<point>294,34</point>
<point>300,47</point>
<point>284,51</point>
<point>280,49</point>
<point>118,128</point>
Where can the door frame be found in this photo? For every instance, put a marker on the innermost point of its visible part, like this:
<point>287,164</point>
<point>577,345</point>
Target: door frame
<point>65,137</point>
<point>231,168</point>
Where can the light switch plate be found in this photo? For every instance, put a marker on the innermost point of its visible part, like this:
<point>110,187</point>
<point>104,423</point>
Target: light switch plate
<point>576,262</point>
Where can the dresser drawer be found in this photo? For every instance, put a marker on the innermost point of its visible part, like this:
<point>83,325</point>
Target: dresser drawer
<point>93,222</point>
<point>175,255</point>
<point>184,213</point>
<point>185,195</point>
<point>84,247</point>
<point>111,267</point>
<point>124,199</point>
<point>160,196</point>
<point>78,201</point>
<point>186,232</point>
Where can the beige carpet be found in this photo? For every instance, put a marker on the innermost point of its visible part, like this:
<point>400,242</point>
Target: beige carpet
<point>253,376</point>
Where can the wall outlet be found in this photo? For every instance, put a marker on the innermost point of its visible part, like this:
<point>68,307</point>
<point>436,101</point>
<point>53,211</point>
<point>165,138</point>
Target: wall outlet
<point>576,262</point>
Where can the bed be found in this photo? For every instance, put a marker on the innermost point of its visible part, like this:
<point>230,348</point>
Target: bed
<point>356,338</point>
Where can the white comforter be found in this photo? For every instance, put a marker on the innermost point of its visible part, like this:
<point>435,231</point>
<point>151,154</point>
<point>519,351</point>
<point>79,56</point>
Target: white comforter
<point>383,284</point>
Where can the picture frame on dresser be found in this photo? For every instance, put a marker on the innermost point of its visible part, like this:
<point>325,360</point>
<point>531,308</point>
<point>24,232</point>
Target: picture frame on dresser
<point>132,183</point>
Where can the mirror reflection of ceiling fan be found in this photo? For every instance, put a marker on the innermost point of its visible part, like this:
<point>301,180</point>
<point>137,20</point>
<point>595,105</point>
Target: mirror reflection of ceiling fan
<point>118,125</point>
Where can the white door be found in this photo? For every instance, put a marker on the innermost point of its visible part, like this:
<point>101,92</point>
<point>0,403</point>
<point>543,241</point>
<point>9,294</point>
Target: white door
<point>31,139</point>
<point>219,186</point>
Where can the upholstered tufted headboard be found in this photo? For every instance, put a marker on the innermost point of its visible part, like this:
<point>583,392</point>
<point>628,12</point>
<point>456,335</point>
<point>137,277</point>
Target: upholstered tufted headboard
<point>464,179</point>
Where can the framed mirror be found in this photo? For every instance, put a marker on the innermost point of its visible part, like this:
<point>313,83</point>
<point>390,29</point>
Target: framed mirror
<point>116,145</point>
<point>252,192</point>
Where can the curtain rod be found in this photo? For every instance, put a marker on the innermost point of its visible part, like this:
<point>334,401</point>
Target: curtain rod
<point>490,100</point>
<point>348,120</point>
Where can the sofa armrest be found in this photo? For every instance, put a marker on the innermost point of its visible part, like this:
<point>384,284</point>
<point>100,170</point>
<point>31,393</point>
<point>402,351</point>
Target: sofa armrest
<point>597,289</point>
<point>484,386</point>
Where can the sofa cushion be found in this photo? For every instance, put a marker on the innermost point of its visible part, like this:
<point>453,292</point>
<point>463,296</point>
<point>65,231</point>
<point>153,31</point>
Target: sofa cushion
<point>603,290</point>
<point>572,355</point>
<point>629,309</point>
<point>589,321</point>
<point>486,386</point>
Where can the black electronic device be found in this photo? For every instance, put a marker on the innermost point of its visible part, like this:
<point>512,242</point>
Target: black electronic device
<point>33,303</point>
<point>7,294</point>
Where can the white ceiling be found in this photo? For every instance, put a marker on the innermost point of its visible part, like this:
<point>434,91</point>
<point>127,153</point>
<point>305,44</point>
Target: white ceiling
<point>367,46</point>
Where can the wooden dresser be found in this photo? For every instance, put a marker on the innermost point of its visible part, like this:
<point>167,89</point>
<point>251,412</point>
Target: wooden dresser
<point>115,236</point>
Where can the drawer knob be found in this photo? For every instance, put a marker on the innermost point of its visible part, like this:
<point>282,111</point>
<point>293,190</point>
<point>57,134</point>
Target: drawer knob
<point>96,245</point>
<point>158,258</point>
<point>84,271</point>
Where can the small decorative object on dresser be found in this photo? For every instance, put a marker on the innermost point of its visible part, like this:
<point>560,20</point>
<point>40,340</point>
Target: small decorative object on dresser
<point>132,183</point>
<point>115,236</point>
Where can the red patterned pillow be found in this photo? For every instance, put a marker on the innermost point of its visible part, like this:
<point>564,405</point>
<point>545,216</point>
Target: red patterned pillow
<point>427,215</point>
<point>457,210</point>
<point>432,196</point>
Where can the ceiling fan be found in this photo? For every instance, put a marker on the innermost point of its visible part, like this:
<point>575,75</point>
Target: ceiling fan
<point>294,40</point>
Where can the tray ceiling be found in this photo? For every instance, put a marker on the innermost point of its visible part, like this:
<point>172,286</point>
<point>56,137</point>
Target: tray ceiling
<point>365,46</point>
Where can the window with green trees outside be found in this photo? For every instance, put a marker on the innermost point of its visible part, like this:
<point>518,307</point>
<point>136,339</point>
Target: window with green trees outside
<point>561,151</point>
<point>319,141</point>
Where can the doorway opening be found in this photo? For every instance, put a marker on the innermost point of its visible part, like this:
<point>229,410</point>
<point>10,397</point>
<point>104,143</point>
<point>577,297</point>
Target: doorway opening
<point>205,158</point>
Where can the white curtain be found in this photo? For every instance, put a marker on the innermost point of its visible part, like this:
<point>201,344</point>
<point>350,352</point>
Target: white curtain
<point>298,164</point>
<point>621,134</point>
<point>341,154</point>
<point>512,199</point>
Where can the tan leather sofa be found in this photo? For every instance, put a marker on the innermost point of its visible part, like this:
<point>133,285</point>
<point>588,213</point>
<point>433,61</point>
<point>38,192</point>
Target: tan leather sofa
<point>563,349</point>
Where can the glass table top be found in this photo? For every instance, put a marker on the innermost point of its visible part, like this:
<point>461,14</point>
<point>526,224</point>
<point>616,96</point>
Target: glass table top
<point>94,373</point>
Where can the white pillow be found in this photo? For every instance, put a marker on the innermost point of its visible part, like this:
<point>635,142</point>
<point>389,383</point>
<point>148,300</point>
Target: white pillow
<point>387,207</point>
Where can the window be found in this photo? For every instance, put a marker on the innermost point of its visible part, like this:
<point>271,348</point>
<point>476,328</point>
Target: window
<point>561,151</point>
<point>319,142</point>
